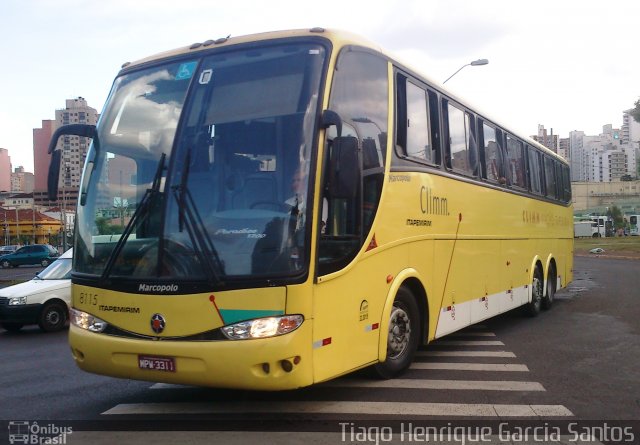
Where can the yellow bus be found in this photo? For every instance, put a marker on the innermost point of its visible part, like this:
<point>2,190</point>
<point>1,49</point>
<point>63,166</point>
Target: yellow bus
<point>276,210</point>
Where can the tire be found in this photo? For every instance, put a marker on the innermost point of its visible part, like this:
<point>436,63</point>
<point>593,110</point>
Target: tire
<point>12,327</point>
<point>44,263</point>
<point>532,308</point>
<point>547,300</point>
<point>5,264</point>
<point>53,317</point>
<point>403,336</point>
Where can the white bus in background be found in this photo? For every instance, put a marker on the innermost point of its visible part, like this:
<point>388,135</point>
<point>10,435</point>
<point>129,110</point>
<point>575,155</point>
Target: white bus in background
<point>601,226</point>
<point>634,226</point>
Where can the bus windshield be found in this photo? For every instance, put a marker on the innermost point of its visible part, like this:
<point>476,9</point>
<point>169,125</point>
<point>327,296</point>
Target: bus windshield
<point>200,170</point>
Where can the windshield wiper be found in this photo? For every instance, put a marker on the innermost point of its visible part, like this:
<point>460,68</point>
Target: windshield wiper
<point>142,210</point>
<point>189,217</point>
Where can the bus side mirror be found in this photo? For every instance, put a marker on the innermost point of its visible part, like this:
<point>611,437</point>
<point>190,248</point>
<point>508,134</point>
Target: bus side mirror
<point>83,130</point>
<point>344,168</point>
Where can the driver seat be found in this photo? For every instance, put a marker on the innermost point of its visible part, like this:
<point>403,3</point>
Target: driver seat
<point>256,187</point>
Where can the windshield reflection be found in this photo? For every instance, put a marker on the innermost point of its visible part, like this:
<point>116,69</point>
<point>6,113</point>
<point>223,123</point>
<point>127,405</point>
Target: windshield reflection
<point>60,269</point>
<point>233,198</point>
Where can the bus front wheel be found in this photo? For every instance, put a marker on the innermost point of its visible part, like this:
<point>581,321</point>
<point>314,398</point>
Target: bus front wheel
<point>402,337</point>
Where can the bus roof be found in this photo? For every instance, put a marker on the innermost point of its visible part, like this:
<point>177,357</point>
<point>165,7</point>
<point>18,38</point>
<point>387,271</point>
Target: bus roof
<point>339,38</point>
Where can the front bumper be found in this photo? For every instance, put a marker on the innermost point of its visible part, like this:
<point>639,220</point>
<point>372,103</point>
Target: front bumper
<point>22,313</point>
<point>243,364</point>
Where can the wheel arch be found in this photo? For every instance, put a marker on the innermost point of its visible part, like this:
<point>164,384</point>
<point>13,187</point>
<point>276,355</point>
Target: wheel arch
<point>412,280</point>
<point>535,264</point>
<point>54,300</point>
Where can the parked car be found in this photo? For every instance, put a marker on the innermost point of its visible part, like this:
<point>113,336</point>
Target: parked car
<point>8,249</point>
<point>44,300</point>
<point>42,254</point>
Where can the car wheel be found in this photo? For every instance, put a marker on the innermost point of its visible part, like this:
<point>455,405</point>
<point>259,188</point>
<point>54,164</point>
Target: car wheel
<point>533,307</point>
<point>53,317</point>
<point>44,263</point>
<point>403,335</point>
<point>12,327</point>
<point>5,264</point>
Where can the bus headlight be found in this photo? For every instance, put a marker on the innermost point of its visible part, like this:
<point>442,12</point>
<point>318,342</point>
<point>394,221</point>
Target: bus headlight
<point>263,327</point>
<point>87,321</point>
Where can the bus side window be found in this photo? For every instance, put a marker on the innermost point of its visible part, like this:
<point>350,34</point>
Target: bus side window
<point>360,96</point>
<point>516,165</point>
<point>490,155</point>
<point>460,146</point>
<point>550,177</point>
<point>535,174</point>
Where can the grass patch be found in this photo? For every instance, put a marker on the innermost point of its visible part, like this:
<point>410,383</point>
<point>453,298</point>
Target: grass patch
<point>622,245</point>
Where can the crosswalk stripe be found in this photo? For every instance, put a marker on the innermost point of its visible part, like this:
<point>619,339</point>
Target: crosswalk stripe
<point>471,366</point>
<point>502,354</point>
<point>468,343</point>
<point>342,407</point>
<point>469,385</point>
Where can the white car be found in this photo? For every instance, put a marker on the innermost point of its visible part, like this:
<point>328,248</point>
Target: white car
<point>44,300</point>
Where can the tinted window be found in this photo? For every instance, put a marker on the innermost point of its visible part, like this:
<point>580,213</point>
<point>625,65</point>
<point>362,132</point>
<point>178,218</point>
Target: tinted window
<point>516,163</point>
<point>549,177</point>
<point>492,155</point>
<point>418,143</point>
<point>360,95</point>
<point>566,180</point>
<point>461,156</point>
<point>534,171</point>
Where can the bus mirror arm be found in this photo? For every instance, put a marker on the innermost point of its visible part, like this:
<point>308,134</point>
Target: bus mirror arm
<point>83,130</point>
<point>330,118</point>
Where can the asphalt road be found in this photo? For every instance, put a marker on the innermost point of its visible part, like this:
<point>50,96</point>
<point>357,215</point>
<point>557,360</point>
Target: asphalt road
<point>580,360</point>
<point>20,273</point>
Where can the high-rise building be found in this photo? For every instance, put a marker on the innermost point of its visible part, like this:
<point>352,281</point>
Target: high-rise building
<point>74,148</point>
<point>563,148</point>
<point>576,141</point>
<point>548,140</point>
<point>630,136</point>
<point>41,158</point>
<point>21,181</point>
<point>601,158</point>
<point>5,170</point>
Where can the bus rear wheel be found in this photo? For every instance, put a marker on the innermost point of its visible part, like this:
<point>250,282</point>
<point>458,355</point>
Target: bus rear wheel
<point>402,337</point>
<point>547,300</point>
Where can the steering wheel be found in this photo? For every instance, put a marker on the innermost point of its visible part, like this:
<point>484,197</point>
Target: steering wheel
<point>271,205</point>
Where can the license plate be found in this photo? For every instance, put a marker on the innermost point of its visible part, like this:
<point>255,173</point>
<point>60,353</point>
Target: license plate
<point>154,363</point>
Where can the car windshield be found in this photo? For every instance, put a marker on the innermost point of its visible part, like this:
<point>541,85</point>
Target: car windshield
<point>60,269</point>
<point>231,199</point>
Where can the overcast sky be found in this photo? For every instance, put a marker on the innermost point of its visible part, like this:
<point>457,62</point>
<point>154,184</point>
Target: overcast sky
<point>569,65</point>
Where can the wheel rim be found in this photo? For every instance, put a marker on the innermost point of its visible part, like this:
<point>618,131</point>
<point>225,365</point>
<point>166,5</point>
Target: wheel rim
<point>5,264</point>
<point>536,298</point>
<point>399,332</point>
<point>53,318</point>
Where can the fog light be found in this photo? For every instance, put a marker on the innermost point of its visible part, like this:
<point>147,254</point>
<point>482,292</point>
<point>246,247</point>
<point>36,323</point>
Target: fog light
<point>287,366</point>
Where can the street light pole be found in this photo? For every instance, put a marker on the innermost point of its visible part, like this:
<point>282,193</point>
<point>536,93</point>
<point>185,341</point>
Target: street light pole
<point>474,63</point>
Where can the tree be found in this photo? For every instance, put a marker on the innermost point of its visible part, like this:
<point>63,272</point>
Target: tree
<point>616,214</point>
<point>636,111</point>
<point>104,228</point>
